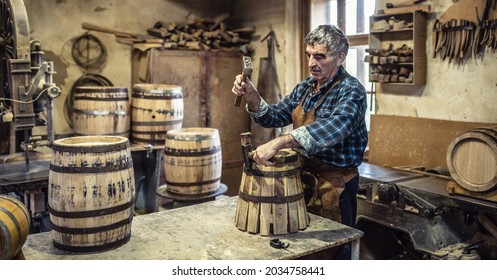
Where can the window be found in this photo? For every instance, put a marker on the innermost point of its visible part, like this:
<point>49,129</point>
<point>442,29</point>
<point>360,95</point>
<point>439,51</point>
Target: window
<point>352,17</point>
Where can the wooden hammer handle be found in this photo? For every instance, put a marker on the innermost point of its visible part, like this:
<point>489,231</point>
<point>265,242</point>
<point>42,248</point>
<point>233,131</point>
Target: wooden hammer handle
<point>93,27</point>
<point>247,70</point>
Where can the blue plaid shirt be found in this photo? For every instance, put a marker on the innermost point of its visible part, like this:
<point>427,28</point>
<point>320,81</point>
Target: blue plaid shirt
<point>339,135</point>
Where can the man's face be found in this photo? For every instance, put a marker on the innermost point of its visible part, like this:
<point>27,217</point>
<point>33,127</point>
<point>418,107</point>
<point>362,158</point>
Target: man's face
<point>322,65</point>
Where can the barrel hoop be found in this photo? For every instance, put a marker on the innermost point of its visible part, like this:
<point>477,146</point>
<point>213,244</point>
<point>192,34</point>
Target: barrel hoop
<point>92,230</point>
<point>178,153</point>
<point>101,90</point>
<point>271,199</point>
<point>193,183</point>
<point>20,205</point>
<point>14,220</point>
<point>91,98</point>
<point>150,141</point>
<point>487,132</point>
<point>5,251</point>
<point>157,123</point>
<point>110,134</point>
<point>87,249</point>
<point>101,113</point>
<point>8,238</point>
<point>191,138</point>
<point>150,132</point>
<point>91,149</point>
<point>92,213</point>
<point>161,97</point>
<point>271,174</point>
<point>122,165</point>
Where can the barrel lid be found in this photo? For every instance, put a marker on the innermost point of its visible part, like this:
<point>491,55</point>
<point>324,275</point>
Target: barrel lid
<point>158,88</point>
<point>90,144</point>
<point>472,159</point>
<point>192,133</point>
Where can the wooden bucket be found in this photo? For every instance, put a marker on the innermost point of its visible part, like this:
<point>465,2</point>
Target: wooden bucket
<point>192,161</point>
<point>472,159</point>
<point>91,193</point>
<point>271,198</point>
<point>101,111</point>
<point>14,226</point>
<point>155,109</point>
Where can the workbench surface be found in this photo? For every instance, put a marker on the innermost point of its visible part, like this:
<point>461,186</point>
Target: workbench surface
<point>204,231</point>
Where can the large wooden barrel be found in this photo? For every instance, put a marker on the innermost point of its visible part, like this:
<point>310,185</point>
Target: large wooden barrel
<point>14,226</point>
<point>193,161</point>
<point>271,198</point>
<point>91,193</point>
<point>472,159</point>
<point>155,109</point>
<point>99,110</point>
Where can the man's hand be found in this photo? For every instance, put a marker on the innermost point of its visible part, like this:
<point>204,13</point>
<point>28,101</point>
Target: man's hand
<point>263,154</point>
<point>247,89</point>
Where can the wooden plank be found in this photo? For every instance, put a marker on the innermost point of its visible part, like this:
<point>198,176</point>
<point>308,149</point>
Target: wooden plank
<point>266,208</point>
<point>280,210</point>
<point>403,10</point>
<point>238,205</point>
<point>254,209</point>
<point>243,206</point>
<point>399,141</point>
<point>293,214</point>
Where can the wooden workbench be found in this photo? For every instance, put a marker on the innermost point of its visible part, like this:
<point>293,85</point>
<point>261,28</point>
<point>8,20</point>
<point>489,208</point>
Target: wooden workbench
<point>204,231</point>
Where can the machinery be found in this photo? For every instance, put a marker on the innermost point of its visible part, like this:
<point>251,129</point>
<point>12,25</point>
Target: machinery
<point>25,84</point>
<point>407,215</point>
<point>26,91</point>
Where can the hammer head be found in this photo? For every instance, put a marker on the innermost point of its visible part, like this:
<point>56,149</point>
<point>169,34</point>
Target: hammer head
<point>246,67</point>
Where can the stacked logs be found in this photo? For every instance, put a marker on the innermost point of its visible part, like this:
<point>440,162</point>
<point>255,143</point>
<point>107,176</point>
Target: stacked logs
<point>195,34</point>
<point>201,34</point>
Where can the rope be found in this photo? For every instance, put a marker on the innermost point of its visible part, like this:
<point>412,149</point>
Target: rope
<point>81,48</point>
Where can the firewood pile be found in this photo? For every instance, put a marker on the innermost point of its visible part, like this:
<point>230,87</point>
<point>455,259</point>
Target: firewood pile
<point>201,34</point>
<point>195,34</point>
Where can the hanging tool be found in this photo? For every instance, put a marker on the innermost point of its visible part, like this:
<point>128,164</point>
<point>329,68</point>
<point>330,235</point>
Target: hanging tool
<point>246,71</point>
<point>269,89</point>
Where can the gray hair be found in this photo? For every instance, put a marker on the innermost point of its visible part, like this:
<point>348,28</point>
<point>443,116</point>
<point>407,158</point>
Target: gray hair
<point>330,35</point>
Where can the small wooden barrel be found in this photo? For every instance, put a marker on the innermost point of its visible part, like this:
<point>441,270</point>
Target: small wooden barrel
<point>271,198</point>
<point>192,161</point>
<point>101,111</point>
<point>472,159</point>
<point>14,226</point>
<point>91,193</point>
<point>155,109</point>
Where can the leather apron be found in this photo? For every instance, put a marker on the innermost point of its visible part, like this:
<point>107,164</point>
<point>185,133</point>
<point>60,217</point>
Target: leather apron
<point>323,184</point>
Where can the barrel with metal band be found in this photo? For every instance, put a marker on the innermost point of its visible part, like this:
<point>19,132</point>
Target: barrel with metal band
<point>155,109</point>
<point>91,193</point>
<point>271,198</point>
<point>101,110</point>
<point>193,161</point>
<point>14,226</point>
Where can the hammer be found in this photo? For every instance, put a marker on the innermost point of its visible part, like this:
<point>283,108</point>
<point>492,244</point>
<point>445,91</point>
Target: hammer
<point>404,4</point>
<point>246,71</point>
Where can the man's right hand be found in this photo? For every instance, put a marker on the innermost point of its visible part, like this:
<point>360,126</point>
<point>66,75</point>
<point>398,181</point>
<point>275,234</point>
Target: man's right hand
<point>248,91</point>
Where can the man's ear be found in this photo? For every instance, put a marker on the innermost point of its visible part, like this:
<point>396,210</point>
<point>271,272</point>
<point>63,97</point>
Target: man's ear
<point>341,59</point>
